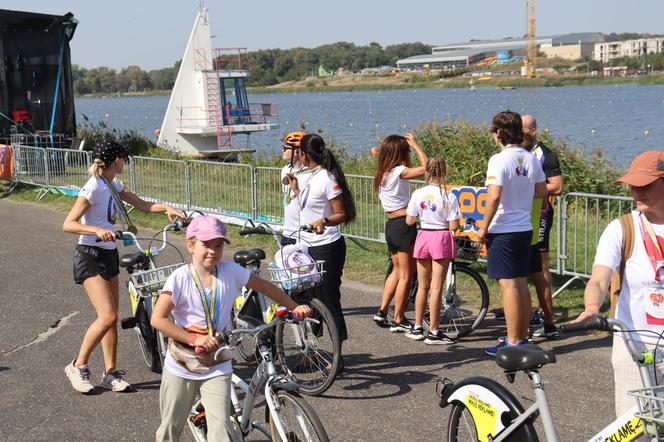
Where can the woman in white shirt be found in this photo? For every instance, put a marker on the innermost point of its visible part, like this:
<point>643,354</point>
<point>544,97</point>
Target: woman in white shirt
<point>325,203</point>
<point>391,181</point>
<point>641,302</point>
<point>96,265</point>
<point>438,211</point>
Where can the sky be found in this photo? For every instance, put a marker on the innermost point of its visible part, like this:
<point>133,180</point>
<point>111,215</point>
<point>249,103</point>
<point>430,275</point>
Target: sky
<point>153,34</point>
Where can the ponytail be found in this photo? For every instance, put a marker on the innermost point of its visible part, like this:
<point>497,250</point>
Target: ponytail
<point>96,168</point>
<point>314,146</point>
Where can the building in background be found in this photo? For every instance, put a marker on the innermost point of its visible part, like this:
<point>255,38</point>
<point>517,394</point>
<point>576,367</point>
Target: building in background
<point>488,52</point>
<point>611,50</point>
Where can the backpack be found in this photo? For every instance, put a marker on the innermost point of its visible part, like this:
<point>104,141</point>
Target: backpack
<point>627,226</point>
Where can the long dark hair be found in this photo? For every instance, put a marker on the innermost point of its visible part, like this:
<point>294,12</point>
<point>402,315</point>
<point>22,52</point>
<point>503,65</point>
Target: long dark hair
<point>394,150</point>
<point>314,146</point>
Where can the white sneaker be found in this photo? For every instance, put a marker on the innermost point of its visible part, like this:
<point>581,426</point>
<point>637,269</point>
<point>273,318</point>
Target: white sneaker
<point>79,377</point>
<point>113,380</point>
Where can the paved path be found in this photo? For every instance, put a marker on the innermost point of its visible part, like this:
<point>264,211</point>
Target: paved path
<point>385,393</point>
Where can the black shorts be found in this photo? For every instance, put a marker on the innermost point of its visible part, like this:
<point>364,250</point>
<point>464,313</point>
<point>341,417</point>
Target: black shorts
<point>546,222</point>
<point>535,259</point>
<point>92,261</point>
<point>508,254</point>
<point>400,237</point>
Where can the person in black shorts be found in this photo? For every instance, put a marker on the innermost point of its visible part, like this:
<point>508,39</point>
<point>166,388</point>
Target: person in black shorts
<point>539,272</point>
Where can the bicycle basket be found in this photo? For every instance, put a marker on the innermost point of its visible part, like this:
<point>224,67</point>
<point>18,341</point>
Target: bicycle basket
<point>153,280</point>
<point>651,410</point>
<point>297,278</point>
<point>467,249</point>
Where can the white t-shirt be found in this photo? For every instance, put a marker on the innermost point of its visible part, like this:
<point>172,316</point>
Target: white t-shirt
<point>103,211</point>
<point>291,208</point>
<point>434,207</point>
<point>517,171</point>
<point>317,188</point>
<point>188,311</point>
<point>394,191</point>
<point>641,301</point>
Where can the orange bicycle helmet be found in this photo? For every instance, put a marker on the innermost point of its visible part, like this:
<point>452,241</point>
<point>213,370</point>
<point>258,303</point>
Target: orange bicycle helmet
<point>292,139</point>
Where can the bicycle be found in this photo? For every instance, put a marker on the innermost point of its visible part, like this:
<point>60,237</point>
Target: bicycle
<point>466,294</point>
<point>483,409</point>
<point>309,355</point>
<point>145,282</point>
<point>288,415</point>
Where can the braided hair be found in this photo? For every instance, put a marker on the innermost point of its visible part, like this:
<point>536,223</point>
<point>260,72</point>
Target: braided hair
<point>436,172</point>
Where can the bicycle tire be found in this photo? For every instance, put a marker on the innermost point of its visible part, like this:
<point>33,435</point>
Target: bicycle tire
<point>461,314</point>
<point>147,340</point>
<point>310,354</point>
<point>508,403</point>
<point>298,418</point>
<point>246,346</point>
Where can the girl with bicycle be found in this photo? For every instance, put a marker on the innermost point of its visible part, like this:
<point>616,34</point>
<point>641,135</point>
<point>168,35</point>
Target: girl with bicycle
<point>325,203</point>
<point>438,212</point>
<point>199,297</point>
<point>392,184</point>
<point>96,265</point>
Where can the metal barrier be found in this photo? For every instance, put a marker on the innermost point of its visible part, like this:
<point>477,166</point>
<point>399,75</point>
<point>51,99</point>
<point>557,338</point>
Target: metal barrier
<point>584,218</point>
<point>239,191</point>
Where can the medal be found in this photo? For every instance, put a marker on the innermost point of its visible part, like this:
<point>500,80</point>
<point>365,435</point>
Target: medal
<point>132,228</point>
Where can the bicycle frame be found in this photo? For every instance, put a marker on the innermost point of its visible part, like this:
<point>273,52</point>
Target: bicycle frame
<point>484,401</point>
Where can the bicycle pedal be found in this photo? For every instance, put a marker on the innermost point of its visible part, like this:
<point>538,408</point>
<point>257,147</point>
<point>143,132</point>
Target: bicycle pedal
<point>128,323</point>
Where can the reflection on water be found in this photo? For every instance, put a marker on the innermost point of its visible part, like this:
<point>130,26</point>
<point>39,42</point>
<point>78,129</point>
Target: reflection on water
<point>623,120</point>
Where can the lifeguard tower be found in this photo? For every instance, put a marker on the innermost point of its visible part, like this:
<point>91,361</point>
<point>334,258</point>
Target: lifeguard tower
<point>208,110</point>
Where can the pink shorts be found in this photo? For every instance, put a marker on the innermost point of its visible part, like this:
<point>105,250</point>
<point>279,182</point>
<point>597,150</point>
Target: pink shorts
<point>434,244</point>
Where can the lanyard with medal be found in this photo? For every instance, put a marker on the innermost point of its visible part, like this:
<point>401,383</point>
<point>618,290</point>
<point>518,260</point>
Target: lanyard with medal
<point>124,215</point>
<point>653,248</point>
<point>210,306</point>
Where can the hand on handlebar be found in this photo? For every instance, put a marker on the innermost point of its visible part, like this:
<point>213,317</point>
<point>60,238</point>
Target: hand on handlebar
<point>302,311</point>
<point>205,343</point>
<point>173,213</point>
<point>104,235</point>
<point>583,316</point>
<point>318,226</point>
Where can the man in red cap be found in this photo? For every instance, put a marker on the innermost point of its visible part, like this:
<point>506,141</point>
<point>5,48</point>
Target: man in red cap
<point>641,302</point>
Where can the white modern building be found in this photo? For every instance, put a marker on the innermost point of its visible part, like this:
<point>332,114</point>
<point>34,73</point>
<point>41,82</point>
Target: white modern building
<point>611,50</point>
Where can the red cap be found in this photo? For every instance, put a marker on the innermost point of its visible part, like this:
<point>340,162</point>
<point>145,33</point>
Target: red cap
<point>644,169</point>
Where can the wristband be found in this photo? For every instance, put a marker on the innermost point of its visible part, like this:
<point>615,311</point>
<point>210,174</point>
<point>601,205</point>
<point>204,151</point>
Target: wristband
<point>326,221</point>
<point>192,339</point>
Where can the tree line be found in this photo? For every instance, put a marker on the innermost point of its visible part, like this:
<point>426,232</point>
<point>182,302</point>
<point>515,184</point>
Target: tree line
<point>268,67</point>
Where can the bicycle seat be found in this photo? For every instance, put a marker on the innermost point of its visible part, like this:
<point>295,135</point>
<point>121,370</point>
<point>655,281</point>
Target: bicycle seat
<point>131,259</point>
<point>523,357</point>
<point>244,257</point>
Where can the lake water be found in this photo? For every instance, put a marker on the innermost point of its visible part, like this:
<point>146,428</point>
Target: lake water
<point>623,120</point>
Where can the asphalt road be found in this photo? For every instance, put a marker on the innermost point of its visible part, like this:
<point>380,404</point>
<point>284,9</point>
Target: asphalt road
<point>385,393</point>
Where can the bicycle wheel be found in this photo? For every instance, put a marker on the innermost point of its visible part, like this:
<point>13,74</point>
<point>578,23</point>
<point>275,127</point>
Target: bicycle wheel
<point>246,346</point>
<point>310,354</point>
<point>298,419</point>
<point>147,340</point>
<point>461,425</point>
<point>465,305</point>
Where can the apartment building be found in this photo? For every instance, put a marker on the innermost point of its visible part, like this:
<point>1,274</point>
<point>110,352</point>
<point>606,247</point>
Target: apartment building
<point>627,48</point>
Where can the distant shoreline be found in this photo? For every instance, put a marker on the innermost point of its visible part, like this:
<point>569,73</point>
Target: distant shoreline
<point>372,83</point>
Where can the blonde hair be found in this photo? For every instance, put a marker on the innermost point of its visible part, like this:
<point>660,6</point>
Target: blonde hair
<point>97,168</point>
<point>436,172</point>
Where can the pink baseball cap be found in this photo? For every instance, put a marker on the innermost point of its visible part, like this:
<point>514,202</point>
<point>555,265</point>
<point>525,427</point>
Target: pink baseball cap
<point>207,227</point>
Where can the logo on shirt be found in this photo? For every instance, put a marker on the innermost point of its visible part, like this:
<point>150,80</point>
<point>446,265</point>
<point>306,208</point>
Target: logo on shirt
<point>521,169</point>
<point>655,309</point>
<point>429,203</point>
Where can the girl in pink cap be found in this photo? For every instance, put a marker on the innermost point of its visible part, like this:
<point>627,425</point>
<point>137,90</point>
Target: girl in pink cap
<point>193,306</point>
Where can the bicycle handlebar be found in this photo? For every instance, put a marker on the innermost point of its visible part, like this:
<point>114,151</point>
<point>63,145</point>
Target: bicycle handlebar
<point>264,229</point>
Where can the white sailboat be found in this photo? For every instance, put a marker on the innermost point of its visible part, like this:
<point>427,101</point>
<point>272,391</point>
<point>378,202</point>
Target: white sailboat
<point>208,109</point>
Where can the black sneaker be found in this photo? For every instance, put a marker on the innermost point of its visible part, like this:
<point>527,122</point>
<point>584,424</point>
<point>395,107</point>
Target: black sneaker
<point>416,334</point>
<point>548,331</point>
<point>401,327</point>
<point>380,318</point>
<point>437,338</point>
<point>537,318</point>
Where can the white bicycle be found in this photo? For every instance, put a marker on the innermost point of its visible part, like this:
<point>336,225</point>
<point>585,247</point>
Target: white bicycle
<point>289,417</point>
<point>484,410</point>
